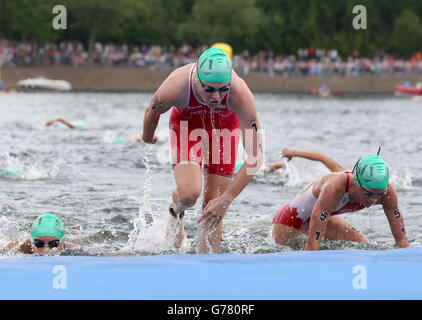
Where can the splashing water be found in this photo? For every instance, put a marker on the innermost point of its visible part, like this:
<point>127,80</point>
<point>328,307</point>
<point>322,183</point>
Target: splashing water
<point>402,180</point>
<point>109,137</point>
<point>149,234</point>
<point>303,174</point>
<point>28,168</point>
<point>9,229</point>
<point>137,236</point>
<point>370,214</point>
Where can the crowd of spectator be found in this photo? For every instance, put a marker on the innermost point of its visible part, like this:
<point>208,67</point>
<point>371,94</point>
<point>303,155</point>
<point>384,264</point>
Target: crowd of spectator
<point>306,62</point>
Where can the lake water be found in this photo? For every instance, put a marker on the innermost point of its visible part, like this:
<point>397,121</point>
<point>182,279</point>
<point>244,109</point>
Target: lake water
<point>113,197</point>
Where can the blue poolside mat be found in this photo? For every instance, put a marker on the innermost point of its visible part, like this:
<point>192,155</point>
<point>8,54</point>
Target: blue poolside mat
<point>337,274</point>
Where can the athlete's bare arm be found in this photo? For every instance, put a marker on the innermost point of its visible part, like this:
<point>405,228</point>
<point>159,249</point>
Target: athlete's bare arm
<point>315,156</point>
<point>24,246</point>
<point>394,217</point>
<point>242,103</point>
<point>329,193</point>
<point>71,126</point>
<point>275,166</point>
<point>172,92</point>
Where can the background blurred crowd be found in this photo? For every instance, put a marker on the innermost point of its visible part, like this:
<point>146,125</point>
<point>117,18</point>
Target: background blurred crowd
<point>306,62</point>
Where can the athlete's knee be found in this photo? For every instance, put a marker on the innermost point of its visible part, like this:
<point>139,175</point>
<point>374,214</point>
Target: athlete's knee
<point>279,236</point>
<point>361,238</point>
<point>188,196</point>
<point>279,239</point>
<point>357,235</point>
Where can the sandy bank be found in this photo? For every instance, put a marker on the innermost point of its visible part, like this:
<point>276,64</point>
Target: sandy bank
<point>133,79</point>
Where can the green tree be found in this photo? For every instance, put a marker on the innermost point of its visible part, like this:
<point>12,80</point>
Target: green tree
<point>136,28</point>
<point>166,18</point>
<point>406,37</point>
<point>284,23</point>
<point>29,20</point>
<point>283,26</point>
<point>101,20</point>
<point>234,22</point>
<point>4,20</point>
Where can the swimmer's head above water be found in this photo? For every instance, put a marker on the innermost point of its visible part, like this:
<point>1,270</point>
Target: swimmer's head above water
<point>372,172</point>
<point>214,66</point>
<point>214,74</point>
<point>47,232</point>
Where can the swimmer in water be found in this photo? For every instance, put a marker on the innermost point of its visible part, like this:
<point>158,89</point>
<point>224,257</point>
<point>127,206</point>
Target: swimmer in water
<point>68,124</point>
<point>119,140</point>
<point>11,171</point>
<point>315,210</point>
<point>47,234</point>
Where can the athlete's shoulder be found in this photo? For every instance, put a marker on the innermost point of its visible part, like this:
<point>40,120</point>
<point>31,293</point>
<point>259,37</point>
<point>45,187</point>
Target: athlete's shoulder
<point>334,182</point>
<point>180,75</point>
<point>175,88</point>
<point>241,98</point>
<point>330,189</point>
<point>238,84</point>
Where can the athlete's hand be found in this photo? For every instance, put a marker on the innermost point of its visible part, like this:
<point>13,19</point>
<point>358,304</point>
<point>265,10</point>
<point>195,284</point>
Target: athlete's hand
<point>151,141</point>
<point>214,212</point>
<point>402,243</point>
<point>287,153</point>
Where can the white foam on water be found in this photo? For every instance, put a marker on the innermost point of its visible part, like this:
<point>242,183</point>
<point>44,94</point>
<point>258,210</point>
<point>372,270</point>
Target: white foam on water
<point>9,230</point>
<point>28,169</point>
<point>149,232</point>
<point>109,137</point>
<point>300,173</point>
<point>401,179</point>
<point>40,170</point>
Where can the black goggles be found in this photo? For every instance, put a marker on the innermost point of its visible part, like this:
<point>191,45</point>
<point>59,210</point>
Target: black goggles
<point>210,89</point>
<point>373,194</point>
<point>41,244</point>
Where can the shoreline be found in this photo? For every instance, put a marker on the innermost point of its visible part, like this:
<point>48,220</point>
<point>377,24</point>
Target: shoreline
<point>131,79</point>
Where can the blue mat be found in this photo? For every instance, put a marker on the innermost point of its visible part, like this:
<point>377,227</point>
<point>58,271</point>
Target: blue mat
<point>347,274</point>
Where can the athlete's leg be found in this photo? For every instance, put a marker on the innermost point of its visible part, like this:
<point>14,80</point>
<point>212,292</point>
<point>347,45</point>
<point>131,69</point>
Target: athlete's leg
<point>219,164</point>
<point>214,186</point>
<point>282,233</point>
<point>339,228</point>
<point>188,189</point>
<point>188,185</point>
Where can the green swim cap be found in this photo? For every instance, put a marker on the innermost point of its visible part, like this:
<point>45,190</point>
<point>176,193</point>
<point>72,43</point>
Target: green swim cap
<point>80,127</point>
<point>372,172</point>
<point>214,66</point>
<point>11,171</point>
<point>120,140</point>
<point>48,224</point>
